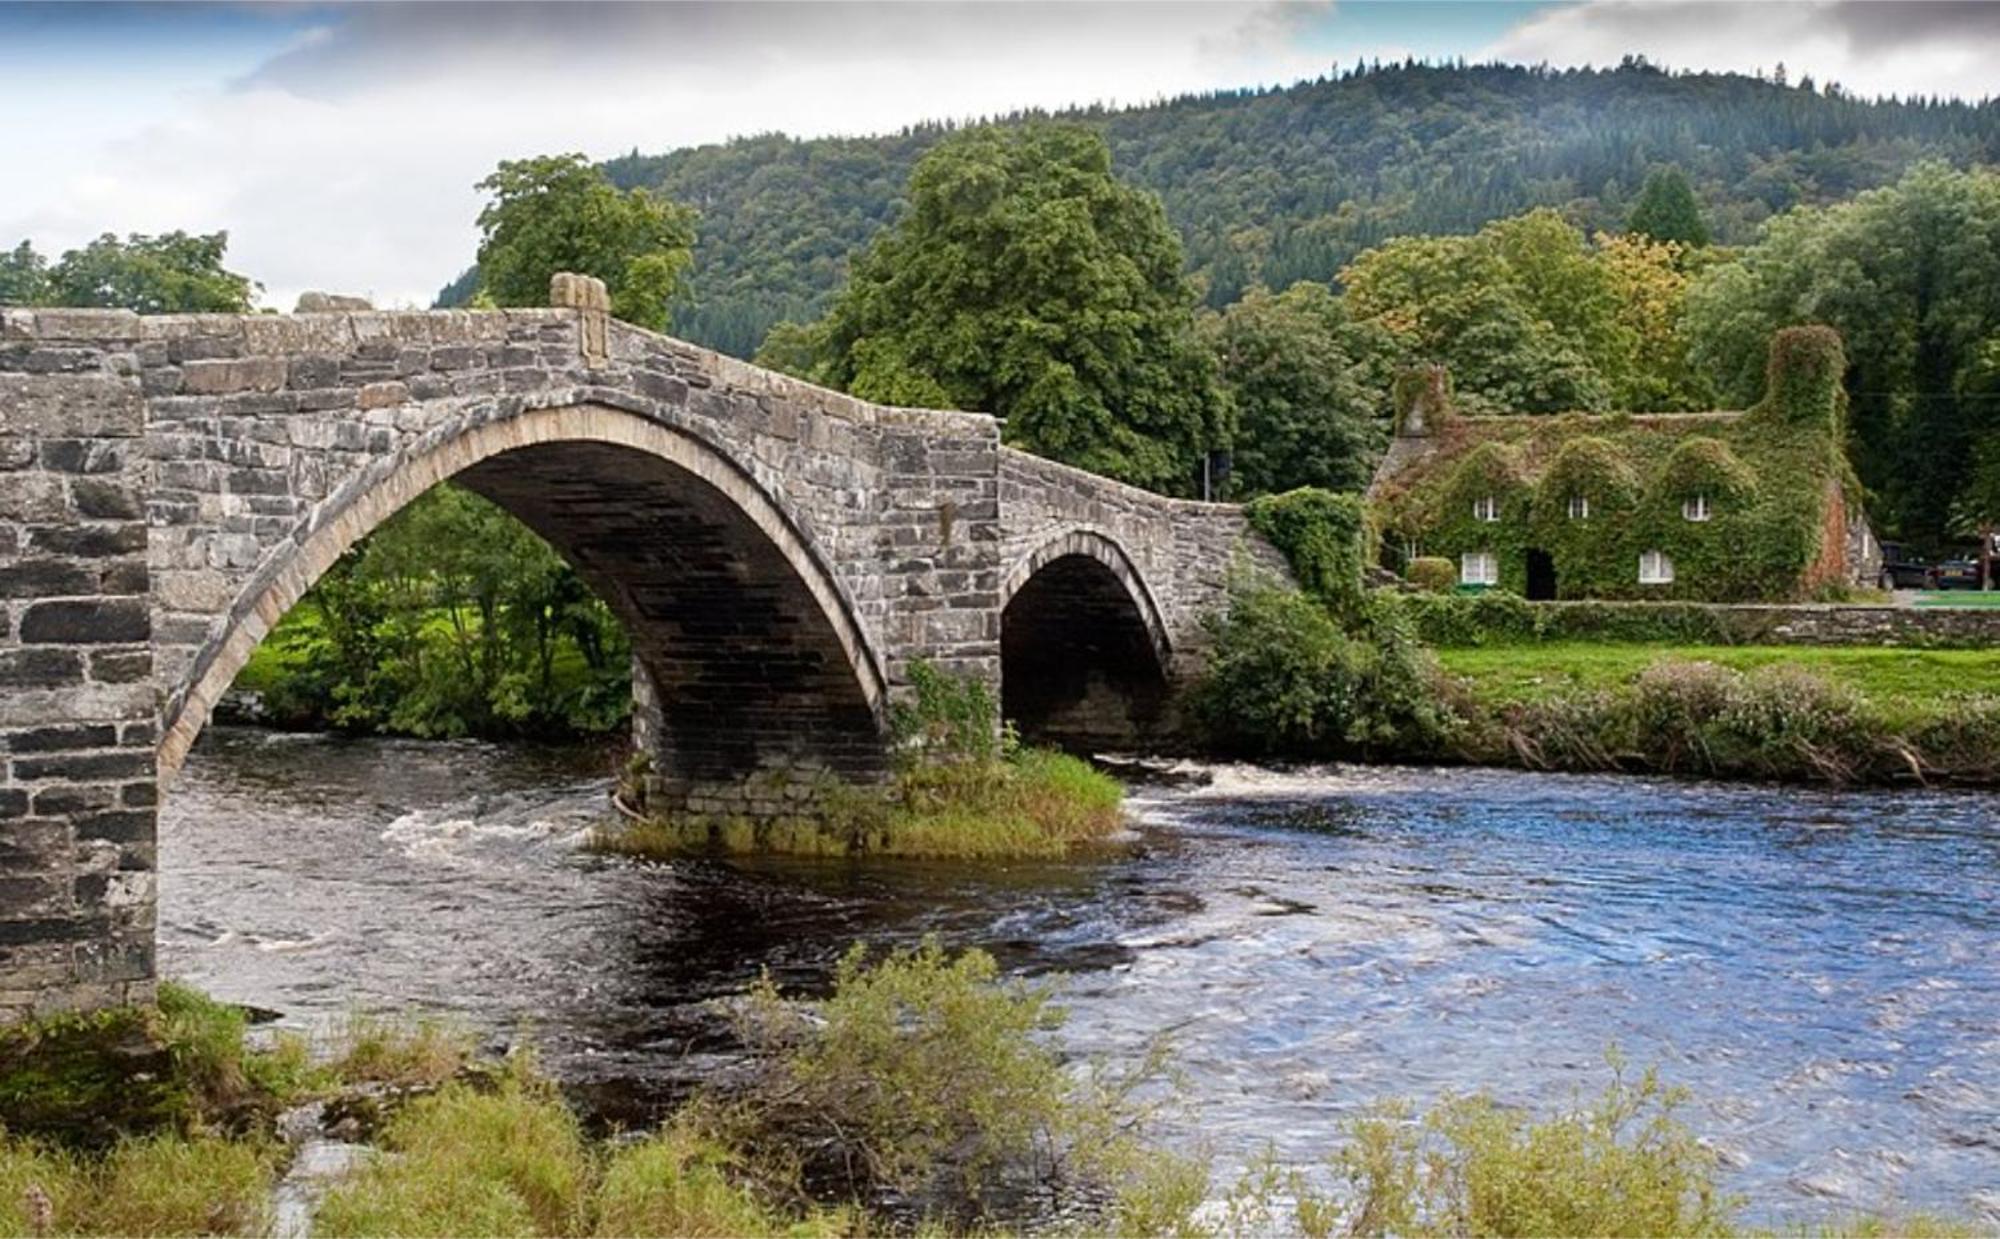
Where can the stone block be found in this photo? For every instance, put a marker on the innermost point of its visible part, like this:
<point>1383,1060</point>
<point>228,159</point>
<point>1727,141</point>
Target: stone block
<point>106,325</point>
<point>383,395</point>
<point>45,668</point>
<point>88,541</point>
<point>221,377</point>
<point>44,578</point>
<point>100,499</point>
<point>71,406</point>
<point>87,621</point>
<point>85,767</point>
<point>58,739</point>
<point>65,801</point>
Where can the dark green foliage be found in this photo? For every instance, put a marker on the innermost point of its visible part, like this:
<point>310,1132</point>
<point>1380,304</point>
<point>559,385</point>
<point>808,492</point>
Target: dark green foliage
<point>1802,379</point>
<point>1284,679</point>
<point>1496,618</point>
<point>945,719</point>
<point>24,277</point>
<point>1275,186</point>
<point>559,213</point>
<point>1322,536</point>
<point>451,619</point>
<point>1026,281</point>
<point>87,1080</point>
<point>1667,210</point>
<point>459,292</point>
<point>173,273</point>
<point>1909,275</point>
<point>1703,465</point>
<point>1308,388</point>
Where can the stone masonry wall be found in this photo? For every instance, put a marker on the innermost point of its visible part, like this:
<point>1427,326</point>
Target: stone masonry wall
<point>1185,551</point>
<point>77,724</point>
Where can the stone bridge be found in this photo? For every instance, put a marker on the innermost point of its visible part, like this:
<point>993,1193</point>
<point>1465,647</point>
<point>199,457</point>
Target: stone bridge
<point>779,555</point>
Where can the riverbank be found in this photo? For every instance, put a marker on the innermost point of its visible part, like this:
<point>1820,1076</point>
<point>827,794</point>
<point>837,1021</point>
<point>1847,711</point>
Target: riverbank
<point>1841,716</point>
<point>922,1092</point>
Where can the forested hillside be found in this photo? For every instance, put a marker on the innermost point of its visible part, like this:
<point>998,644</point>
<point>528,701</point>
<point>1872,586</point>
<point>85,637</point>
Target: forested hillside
<point>1275,186</point>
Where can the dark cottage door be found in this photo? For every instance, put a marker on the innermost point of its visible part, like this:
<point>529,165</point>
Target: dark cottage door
<point>1541,576</point>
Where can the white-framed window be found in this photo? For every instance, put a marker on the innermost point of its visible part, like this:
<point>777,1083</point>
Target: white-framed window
<point>1579,507</point>
<point>1486,509</point>
<point>1479,568</point>
<point>1696,508</point>
<point>1655,569</point>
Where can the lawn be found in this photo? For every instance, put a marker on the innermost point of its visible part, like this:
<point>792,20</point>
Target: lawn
<point>1960,598</point>
<point>1900,682</point>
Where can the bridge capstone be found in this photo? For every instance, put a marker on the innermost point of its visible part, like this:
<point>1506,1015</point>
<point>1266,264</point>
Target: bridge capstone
<point>778,553</point>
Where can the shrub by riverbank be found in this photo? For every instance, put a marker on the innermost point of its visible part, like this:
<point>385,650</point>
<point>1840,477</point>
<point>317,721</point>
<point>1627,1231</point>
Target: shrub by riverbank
<point>1285,680</point>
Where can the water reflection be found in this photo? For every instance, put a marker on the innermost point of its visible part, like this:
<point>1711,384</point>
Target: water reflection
<point>1824,969</point>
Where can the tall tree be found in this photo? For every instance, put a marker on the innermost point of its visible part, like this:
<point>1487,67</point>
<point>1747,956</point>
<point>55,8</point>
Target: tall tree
<point>1910,276</point>
<point>1027,281</point>
<point>1667,210</point>
<point>560,213</point>
<point>173,273</point>
<point>1310,388</point>
<point>24,277</point>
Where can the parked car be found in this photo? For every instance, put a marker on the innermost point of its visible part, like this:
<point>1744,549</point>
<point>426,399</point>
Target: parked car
<point>1960,573</point>
<point>1903,570</point>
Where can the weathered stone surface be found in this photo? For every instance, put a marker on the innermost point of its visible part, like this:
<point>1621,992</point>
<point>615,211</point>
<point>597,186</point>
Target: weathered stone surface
<point>779,554</point>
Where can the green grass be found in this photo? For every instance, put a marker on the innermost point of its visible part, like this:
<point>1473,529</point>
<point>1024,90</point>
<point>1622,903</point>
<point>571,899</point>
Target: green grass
<point>1036,804</point>
<point>1903,684</point>
<point>1964,598</point>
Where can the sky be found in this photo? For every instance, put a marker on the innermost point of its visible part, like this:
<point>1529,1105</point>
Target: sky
<point>339,144</point>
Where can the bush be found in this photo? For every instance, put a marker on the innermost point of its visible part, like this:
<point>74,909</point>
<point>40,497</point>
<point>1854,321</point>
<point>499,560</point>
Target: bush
<point>1622,1165</point>
<point>1431,574</point>
<point>1282,678</point>
<point>1497,618</point>
<point>86,1080</point>
<point>928,1076</point>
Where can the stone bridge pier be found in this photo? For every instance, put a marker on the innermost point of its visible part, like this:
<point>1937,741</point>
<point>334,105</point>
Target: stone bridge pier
<point>779,555</point>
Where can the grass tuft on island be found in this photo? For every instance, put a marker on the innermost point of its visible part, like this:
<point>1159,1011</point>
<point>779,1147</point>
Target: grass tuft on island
<point>1030,804</point>
<point>964,789</point>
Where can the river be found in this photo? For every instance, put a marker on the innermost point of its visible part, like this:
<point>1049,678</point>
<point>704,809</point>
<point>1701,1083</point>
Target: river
<point>1822,969</point>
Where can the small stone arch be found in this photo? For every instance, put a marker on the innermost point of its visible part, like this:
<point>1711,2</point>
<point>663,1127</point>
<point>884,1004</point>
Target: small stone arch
<point>1085,649</point>
<point>456,450</point>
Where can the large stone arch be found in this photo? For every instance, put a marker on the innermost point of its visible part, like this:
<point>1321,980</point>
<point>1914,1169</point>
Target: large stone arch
<point>649,514</point>
<point>1085,650</point>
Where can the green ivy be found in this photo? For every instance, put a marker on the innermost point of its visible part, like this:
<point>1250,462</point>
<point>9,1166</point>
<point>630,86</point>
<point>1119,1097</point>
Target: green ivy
<point>1321,534</point>
<point>1767,475</point>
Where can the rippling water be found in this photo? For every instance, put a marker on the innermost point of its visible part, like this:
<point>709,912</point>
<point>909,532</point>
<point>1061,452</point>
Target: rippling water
<point>1822,969</point>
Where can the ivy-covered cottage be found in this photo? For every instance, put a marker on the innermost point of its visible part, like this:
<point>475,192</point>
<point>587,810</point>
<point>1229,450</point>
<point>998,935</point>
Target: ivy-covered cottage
<point>1723,507</point>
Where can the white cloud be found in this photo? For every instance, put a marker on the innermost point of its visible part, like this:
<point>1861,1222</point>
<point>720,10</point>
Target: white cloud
<point>1921,47</point>
<point>346,161</point>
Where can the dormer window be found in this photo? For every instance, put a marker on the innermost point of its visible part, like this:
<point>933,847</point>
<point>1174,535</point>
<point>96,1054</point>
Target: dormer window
<point>1655,569</point>
<point>1486,510</point>
<point>1696,508</point>
<point>1579,507</point>
<point>1479,568</point>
